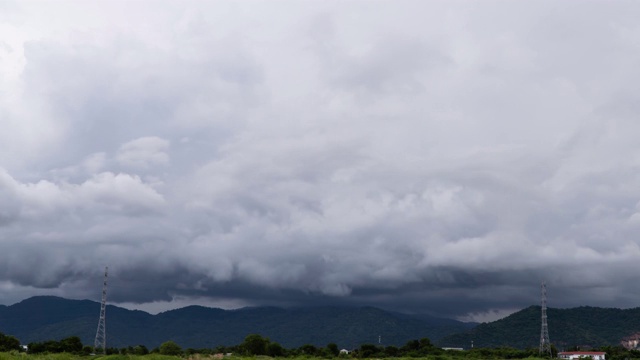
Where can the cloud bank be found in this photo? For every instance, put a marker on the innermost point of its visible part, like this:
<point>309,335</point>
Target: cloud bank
<point>425,157</point>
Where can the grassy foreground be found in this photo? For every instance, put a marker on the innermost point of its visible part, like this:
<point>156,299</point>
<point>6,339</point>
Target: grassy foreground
<point>66,356</point>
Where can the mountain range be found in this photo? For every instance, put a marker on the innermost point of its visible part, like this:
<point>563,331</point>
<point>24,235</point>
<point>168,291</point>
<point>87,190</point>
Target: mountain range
<point>52,318</point>
<point>44,318</point>
<point>584,327</point>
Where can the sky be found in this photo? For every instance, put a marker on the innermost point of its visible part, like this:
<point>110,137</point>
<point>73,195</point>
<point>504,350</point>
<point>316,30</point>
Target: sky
<point>437,157</point>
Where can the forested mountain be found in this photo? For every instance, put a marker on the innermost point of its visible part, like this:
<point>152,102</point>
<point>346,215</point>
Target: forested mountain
<point>581,326</point>
<point>53,318</point>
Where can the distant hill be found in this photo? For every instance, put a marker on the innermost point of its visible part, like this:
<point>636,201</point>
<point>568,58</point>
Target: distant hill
<point>52,318</point>
<point>581,326</point>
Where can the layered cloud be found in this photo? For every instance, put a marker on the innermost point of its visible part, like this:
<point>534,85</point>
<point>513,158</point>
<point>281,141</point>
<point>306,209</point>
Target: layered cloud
<point>420,157</point>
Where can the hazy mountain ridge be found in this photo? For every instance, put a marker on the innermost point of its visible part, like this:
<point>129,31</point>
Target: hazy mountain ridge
<point>52,318</point>
<point>583,326</point>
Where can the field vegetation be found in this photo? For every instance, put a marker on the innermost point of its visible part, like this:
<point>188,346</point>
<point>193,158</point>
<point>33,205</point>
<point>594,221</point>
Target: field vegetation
<point>256,347</point>
<point>154,356</point>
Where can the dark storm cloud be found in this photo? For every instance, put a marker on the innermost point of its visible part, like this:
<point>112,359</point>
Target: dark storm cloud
<point>420,157</point>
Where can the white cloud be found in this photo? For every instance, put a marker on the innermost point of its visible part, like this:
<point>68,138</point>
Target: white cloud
<point>117,193</point>
<point>401,155</point>
<point>144,152</point>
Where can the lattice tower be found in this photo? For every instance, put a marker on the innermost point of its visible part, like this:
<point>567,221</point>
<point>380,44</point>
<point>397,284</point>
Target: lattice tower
<point>101,336</point>
<point>545,343</point>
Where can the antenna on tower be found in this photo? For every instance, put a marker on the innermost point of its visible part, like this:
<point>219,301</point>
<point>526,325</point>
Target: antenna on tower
<point>101,337</point>
<point>545,343</point>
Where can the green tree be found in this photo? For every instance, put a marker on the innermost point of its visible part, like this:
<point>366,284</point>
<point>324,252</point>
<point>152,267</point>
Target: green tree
<point>411,345</point>
<point>71,344</point>
<point>255,344</point>
<point>308,349</point>
<point>391,351</point>
<point>87,350</point>
<point>36,348</point>
<point>170,348</point>
<point>220,350</point>
<point>368,350</point>
<point>425,343</point>
<point>140,350</point>
<point>275,350</point>
<point>8,343</point>
<point>333,349</point>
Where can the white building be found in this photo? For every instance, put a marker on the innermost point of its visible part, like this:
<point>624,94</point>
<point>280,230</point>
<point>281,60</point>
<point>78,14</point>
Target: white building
<point>571,355</point>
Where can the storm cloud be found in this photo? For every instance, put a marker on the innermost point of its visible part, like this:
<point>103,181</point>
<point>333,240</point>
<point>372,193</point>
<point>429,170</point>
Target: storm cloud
<point>431,157</point>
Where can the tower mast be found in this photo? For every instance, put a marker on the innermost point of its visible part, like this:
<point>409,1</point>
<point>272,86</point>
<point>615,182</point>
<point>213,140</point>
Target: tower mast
<point>101,337</point>
<point>545,343</point>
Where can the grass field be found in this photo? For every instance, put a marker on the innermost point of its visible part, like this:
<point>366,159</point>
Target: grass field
<point>66,356</point>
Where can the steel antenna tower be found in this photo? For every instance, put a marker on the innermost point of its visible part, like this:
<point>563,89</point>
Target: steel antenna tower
<point>545,343</point>
<point>101,336</point>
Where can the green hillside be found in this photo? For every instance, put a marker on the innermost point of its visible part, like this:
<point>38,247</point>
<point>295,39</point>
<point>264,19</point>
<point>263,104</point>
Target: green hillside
<point>581,326</point>
<point>52,318</point>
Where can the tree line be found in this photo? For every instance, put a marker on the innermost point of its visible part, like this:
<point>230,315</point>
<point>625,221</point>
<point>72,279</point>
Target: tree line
<point>257,345</point>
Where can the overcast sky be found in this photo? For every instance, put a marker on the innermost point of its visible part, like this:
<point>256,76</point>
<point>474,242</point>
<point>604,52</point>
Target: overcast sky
<point>439,157</point>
